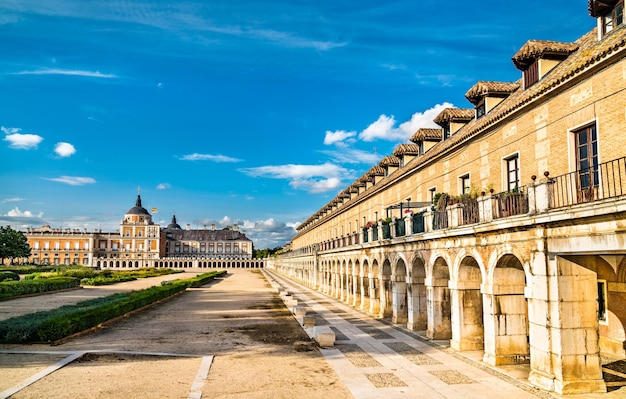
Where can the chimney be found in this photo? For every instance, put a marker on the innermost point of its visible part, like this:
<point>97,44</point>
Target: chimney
<point>188,226</point>
<point>212,227</point>
<point>205,226</point>
<point>235,228</point>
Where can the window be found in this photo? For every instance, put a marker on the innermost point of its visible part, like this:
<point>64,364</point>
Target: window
<point>432,192</point>
<point>531,75</point>
<point>446,132</point>
<point>602,305</point>
<point>420,145</point>
<point>481,109</point>
<point>465,184</point>
<point>587,162</point>
<point>512,173</point>
<point>614,18</point>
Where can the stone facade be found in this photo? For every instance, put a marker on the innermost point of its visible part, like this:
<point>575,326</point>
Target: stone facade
<point>142,243</point>
<point>524,256</point>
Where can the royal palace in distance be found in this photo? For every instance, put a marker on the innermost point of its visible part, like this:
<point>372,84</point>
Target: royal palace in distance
<point>504,230</point>
<point>142,243</point>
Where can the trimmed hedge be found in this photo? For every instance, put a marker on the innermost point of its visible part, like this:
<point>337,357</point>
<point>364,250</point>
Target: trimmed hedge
<point>10,276</point>
<point>58,323</point>
<point>9,289</point>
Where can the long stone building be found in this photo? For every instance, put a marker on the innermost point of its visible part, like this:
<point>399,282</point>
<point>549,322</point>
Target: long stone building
<point>503,231</point>
<point>142,243</point>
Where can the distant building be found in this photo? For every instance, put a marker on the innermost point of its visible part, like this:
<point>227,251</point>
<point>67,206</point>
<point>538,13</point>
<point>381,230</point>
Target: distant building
<point>140,243</point>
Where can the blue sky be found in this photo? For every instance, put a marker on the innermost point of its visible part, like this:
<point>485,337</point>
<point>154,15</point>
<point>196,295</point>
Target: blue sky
<point>249,112</point>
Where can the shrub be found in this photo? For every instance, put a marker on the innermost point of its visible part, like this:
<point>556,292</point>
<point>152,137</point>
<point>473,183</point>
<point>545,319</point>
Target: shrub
<point>9,276</point>
<point>9,289</point>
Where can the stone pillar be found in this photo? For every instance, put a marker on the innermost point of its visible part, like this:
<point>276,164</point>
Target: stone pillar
<point>540,196</point>
<point>386,297</point>
<point>356,283</point>
<point>506,337</point>
<point>374,294</point>
<point>564,352</point>
<point>466,315</point>
<point>400,309</point>
<point>428,221</point>
<point>365,301</point>
<point>416,306</point>
<point>370,234</point>
<point>455,215</point>
<point>392,228</point>
<point>438,304</point>
<point>485,208</point>
<point>408,224</point>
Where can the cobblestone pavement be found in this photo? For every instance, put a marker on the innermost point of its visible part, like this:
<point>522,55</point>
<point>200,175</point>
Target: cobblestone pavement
<point>378,360</point>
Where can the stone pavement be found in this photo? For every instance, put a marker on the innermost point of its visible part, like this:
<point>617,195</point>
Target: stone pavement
<point>373,358</point>
<point>378,360</point>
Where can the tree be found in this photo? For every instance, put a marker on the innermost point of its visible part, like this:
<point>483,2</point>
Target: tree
<point>13,244</point>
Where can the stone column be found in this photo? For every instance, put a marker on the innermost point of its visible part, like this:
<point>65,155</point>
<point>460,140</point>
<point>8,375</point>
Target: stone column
<point>485,208</point>
<point>365,301</point>
<point>438,303</point>
<point>540,196</point>
<point>374,294</point>
<point>400,309</point>
<point>455,215</point>
<point>356,283</point>
<point>408,224</point>
<point>466,315</point>
<point>416,306</point>
<point>386,297</point>
<point>564,352</point>
<point>428,221</point>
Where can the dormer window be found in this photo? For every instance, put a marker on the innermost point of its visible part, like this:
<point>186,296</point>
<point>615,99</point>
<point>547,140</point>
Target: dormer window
<point>614,18</point>
<point>531,75</point>
<point>537,58</point>
<point>480,109</point>
<point>446,132</point>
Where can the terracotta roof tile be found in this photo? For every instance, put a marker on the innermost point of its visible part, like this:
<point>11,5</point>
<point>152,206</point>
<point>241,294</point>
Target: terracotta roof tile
<point>454,114</point>
<point>427,134</point>
<point>482,89</point>
<point>376,171</point>
<point>598,8</point>
<point>390,161</point>
<point>534,49</point>
<point>406,149</point>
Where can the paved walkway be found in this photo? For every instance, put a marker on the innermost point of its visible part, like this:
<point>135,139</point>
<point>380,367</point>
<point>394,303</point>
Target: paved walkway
<point>378,360</point>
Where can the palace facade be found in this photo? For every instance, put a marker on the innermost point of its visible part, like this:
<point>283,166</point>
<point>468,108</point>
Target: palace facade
<point>504,230</point>
<point>142,243</point>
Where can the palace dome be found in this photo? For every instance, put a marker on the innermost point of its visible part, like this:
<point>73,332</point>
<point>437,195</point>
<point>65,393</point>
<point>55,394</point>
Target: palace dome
<point>138,209</point>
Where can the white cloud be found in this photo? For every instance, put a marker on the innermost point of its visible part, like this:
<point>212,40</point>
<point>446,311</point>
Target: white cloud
<point>311,178</point>
<point>384,127</point>
<point>12,199</point>
<point>15,212</point>
<point>69,72</point>
<point>163,186</point>
<point>339,137</point>
<point>208,157</point>
<point>20,141</point>
<point>64,149</point>
<point>72,180</point>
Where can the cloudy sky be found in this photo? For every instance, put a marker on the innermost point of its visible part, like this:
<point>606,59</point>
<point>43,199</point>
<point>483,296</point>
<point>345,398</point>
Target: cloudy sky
<point>254,112</point>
